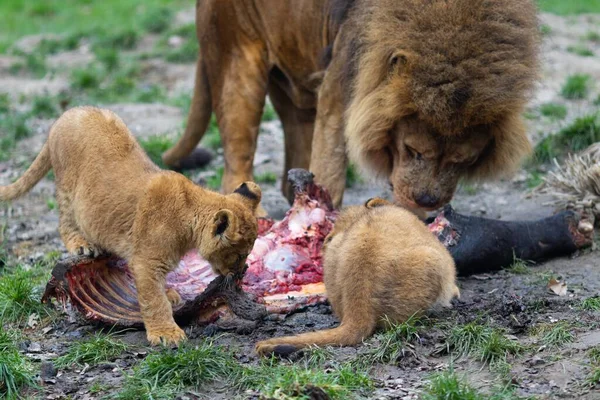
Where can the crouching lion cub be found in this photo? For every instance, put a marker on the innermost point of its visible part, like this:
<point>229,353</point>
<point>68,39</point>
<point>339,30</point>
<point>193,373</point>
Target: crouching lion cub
<point>379,261</point>
<point>113,199</point>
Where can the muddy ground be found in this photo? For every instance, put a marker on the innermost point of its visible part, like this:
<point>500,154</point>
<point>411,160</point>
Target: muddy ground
<point>513,301</point>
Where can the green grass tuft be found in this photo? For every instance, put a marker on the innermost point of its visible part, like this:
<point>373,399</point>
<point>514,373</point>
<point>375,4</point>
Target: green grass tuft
<point>554,335</point>
<point>553,111</point>
<point>488,345</point>
<point>576,87</point>
<point>108,57</point>
<point>580,50</point>
<point>267,177</point>
<point>592,36</point>
<point>44,107</point>
<point>157,20</point>
<point>352,176</point>
<point>448,385</point>
<point>155,146</point>
<point>34,64</point>
<point>583,132</point>
<point>213,182</point>
<point>590,304</point>
<point>519,267</point>
<point>86,78</point>
<point>269,113</point>
<point>20,297</point>
<point>534,179</point>
<point>100,348</point>
<point>390,344</point>
<point>570,7</point>
<point>545,30</point>
<point>15,371</point>
<point>212,137</point>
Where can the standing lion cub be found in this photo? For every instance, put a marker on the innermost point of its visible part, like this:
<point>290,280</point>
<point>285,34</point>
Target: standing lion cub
<point>379,261</point>
<point>112,198</point>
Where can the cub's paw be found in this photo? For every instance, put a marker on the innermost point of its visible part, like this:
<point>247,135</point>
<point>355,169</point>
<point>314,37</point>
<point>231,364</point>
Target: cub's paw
<point>167,336</point>
<point>173,296</point>
<point>266,348</point>
<point>80,247</point>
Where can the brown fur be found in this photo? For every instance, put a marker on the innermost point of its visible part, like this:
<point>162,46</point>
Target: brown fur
<point>364,78</point>
<point>112,198</point>
<point>379,261</point>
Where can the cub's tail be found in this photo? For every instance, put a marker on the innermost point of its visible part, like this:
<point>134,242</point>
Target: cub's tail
<point>343,335</point>
<point>40,167</point>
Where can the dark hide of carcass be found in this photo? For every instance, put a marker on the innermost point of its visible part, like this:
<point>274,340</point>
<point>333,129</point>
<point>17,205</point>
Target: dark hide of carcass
<point>284,271</point>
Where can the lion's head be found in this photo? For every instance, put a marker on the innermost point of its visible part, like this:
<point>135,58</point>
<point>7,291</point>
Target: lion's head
<point>434,90</point>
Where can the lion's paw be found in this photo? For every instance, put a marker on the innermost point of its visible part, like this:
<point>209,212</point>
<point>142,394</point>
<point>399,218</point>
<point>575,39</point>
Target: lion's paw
<point>78,246</point>
<point>173,296</point>
<point>167,336</point>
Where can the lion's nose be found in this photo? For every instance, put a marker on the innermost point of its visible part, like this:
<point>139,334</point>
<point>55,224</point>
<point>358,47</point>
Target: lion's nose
<point>426,200</point>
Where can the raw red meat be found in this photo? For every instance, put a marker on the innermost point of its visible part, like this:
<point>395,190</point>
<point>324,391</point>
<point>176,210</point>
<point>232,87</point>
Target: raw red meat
<point>284,271</point>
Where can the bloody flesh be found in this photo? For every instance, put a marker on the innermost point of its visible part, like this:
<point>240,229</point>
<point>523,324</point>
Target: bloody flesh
<point>284,270</point>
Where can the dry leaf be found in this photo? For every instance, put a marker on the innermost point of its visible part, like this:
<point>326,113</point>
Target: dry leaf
<point>558,288</point>
<point>33,320</point>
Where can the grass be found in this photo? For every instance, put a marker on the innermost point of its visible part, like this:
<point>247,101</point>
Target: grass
<point>590,304</point>
<point>44,107</point>
<point>267,177</point>
<point>570,7</point>
<point>157,19</point>
<point>162,374</point>
<point>553,111</point>
<point>33,64</point>
<point>389,345</point>
<point>580,50</point>
<point>576,87</point>
<point>100,348</point>
<point>15,371</point>
<point>213,182</point>
<point>534,179</point>
<point>269,113</point>
<point>487,344</point>
<point>592,36</point>
<point>575,137</point>
<point>186,51</point>
<point>20,296</point>
<point>74,18</point>
<point>545,30</point>
<point>519,267</point>
<point>155,146</point>
<point>352,176</point>
<point>212,137</point>
<point>554,335</point>
<point>447,385</point>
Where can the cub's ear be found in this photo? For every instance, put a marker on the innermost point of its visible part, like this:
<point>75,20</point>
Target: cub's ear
<point>249,193</point>
<point>223,221</point>
<point>377,202</point>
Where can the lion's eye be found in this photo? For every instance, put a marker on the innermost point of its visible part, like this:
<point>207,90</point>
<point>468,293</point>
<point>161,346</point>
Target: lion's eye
<point>415,154</point>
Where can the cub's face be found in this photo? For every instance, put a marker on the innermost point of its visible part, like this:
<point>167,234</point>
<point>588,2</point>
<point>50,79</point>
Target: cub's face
<point>426,166</point>
<point>230,237</point>
<point>229,256</point>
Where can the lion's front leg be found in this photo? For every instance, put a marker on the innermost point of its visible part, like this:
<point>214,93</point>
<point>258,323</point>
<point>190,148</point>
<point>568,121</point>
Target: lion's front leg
<point>155,306</point>
<point>328,158</point>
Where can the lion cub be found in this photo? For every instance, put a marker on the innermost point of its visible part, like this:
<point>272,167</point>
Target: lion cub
<point>113,199</point>
<point>379,261</point>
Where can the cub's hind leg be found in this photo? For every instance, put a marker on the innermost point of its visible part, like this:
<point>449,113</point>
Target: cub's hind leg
<point>70,233</point>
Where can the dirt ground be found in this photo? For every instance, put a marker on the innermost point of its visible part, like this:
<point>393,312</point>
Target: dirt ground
<point>516,302</point>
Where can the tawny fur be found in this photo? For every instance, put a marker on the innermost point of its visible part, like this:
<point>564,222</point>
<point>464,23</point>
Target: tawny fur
<point>112,198</point>
<point>363,78</point>
<point>380,263</point>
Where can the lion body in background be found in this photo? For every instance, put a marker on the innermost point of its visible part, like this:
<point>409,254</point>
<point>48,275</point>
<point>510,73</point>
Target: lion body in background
<point>418,93</point>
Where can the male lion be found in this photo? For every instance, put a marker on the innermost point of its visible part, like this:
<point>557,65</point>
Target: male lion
<point>112,198</point>
<point>421,93</point>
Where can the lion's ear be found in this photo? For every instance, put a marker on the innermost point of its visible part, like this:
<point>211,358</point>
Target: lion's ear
<point>377,202</point>
<point>248,193</point>
<point>223,221</point>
